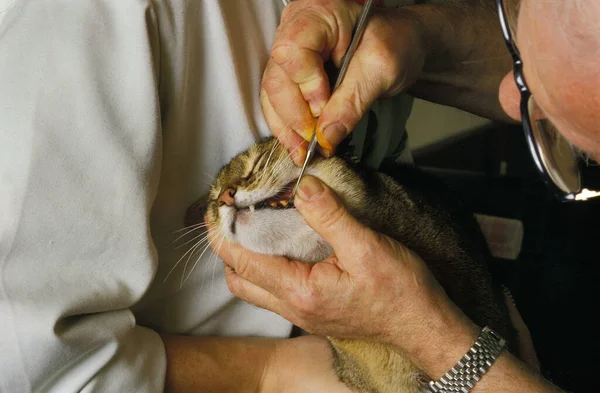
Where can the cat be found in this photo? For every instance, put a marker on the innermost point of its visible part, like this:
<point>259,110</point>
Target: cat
<point>249,203</point>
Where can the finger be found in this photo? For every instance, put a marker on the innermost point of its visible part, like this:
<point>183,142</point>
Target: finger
<point>294,143</point>
<point>277,275</point>
<point>287,101</point>
<point>307,37</point>
<point>252,293</point>
<point>305,68</point>
<point>326,214</point>
<point>348,105</point>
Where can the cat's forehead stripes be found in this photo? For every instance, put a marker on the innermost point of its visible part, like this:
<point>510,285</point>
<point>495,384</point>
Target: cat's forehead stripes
<point>254,156</point>
<point>240,169</point>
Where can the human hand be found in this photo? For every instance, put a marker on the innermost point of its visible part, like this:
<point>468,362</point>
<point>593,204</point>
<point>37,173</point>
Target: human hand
<point>295,89</point>
<point>372,287</point>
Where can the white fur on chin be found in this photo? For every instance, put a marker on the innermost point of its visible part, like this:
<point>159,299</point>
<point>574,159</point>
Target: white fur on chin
<point>274,232</point>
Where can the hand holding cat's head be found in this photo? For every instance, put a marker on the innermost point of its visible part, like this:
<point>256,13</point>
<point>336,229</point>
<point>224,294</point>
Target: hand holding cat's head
<point>249,202</point>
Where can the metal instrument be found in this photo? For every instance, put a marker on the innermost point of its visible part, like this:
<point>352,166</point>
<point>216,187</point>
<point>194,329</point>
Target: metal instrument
<point>358,32</point>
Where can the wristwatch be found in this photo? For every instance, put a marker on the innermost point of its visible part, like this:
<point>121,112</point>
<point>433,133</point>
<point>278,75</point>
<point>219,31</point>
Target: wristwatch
<point>468,371</point>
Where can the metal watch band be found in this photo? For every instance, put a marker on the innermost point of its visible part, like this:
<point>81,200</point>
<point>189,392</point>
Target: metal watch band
<point>468,371</point>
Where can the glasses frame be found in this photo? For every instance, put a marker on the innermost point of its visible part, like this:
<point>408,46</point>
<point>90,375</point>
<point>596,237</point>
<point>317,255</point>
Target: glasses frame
<point>560,194</point>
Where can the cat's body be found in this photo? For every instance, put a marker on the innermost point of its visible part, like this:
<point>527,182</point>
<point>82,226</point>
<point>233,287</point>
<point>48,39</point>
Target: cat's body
<point>247,205</point>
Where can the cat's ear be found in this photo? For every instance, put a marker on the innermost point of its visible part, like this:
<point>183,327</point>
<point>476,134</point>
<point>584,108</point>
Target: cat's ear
<point>196,212</point>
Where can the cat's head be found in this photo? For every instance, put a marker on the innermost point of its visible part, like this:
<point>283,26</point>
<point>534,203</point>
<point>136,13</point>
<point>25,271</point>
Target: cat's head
<point>249,203</point>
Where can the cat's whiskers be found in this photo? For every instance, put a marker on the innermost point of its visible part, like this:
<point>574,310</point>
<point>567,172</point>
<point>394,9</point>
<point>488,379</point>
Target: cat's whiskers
<point>279,166</point>
<point>216,255</point>
<point>279,161</point>
<point>196,248</point>
<point>212,179</point>
<point>209,175</point>
<point>197,260</point>
<point>275,145</point>
<point>200,224</point>
<point>190,257</point>
<point>196,228</point>
<point>191,250</point>
<point>204,272</point>
<point>192,239</point>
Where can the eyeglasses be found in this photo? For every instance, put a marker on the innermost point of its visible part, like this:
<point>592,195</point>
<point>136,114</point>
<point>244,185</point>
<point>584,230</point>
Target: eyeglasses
<point>553,155</point>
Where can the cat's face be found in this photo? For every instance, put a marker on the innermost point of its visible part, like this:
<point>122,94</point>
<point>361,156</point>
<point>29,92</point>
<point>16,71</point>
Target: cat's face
<point>249,201</point>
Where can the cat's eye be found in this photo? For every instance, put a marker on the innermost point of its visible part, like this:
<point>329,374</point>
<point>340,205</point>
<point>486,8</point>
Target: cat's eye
<point>255,167</point>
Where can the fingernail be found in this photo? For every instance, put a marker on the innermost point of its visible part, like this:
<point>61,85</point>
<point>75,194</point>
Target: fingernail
<point>307,133</point>
<point>315,108</point>
<point>331,136</point>
<point>309,187</point>
<point>325,152</point>
<point>298,156</point>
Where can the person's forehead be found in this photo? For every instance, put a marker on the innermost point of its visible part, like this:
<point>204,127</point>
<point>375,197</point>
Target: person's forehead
<point>561,67</point>
<point>557,42</point>
<point>575,23</point>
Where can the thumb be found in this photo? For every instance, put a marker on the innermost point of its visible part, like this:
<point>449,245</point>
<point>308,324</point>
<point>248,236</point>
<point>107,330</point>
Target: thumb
<point>327,216</point>
<point>347,105</point>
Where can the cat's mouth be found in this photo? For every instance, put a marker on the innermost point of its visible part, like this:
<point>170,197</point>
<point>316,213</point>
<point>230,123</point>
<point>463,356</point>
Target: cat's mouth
<point>281,200</point>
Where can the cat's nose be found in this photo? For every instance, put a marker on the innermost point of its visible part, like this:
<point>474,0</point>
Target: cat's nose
<point>226,197</point>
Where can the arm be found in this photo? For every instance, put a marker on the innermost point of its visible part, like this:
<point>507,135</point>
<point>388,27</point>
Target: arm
<point>249,365</point>
<point>466,57</point>
<point>213,364</point>
<point>373,288</point>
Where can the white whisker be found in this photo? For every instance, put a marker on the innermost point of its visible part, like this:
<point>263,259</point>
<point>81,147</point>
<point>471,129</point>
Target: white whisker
<point>212,177</point>
<point>281,163</point>
<point>195,263</point>
<point>269,158</point>
<point>183,256</point>
<point>188,261</point>
<point>208,267</point>
<point>188,232</point>
<point>215,264</point>
<point>201,224</point>
<point>275,145</point>
<point>280,160</point>
<point>191,240</point>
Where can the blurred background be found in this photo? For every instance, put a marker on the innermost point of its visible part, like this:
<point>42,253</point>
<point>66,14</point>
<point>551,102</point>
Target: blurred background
<point>556,276</point>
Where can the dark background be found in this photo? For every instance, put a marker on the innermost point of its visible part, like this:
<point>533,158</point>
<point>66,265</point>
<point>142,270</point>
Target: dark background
<point>556,279</point>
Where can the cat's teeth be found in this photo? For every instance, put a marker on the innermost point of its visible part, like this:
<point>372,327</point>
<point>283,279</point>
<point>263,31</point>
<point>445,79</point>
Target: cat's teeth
<point>273,204</point>
<point>283,203</point>
<point>251,208</point>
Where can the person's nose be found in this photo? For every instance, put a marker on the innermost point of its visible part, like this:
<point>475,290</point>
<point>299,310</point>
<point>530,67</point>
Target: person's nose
<point>227,197</point>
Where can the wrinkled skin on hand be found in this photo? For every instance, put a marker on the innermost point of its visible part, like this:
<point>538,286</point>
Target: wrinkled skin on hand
<point>295,89</point>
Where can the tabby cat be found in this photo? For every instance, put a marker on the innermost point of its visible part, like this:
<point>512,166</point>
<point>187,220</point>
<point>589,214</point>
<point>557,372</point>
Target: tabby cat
<point>249,203</point>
